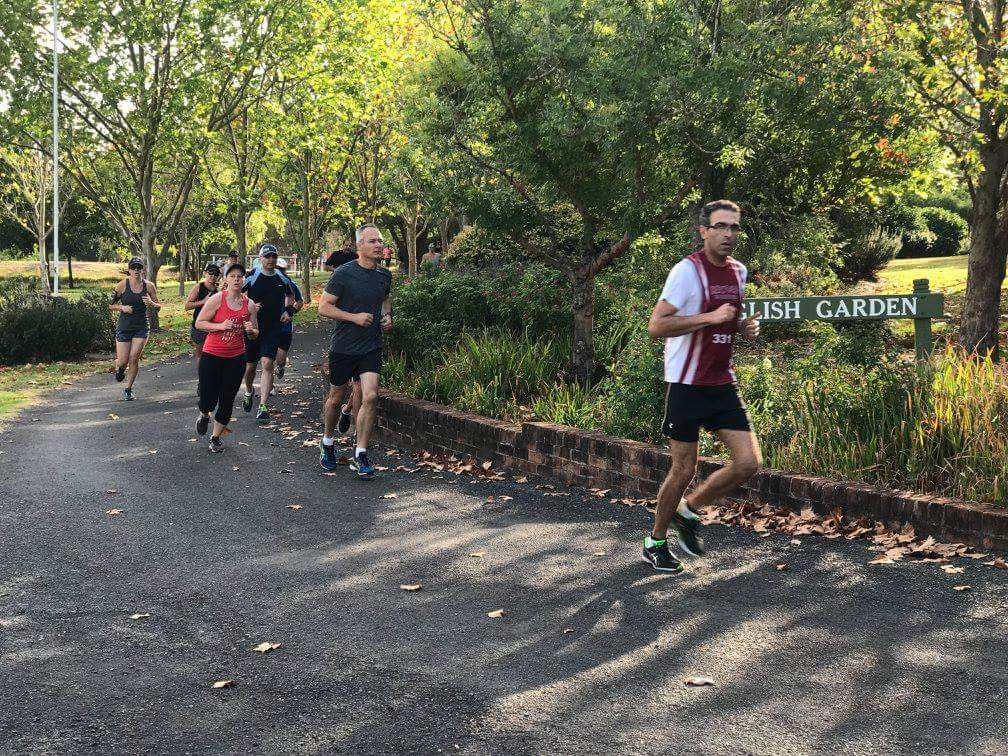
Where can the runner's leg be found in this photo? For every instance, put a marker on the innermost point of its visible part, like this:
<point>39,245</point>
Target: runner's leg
<point>684,462</point>
<point>250,371</point>
<point>135,352</point>
<point>265,379</point>
<point>331,410</point>
<point>746,459</point>
<point>232,371</point>
<point>368,408</point>
<point>122,354</point>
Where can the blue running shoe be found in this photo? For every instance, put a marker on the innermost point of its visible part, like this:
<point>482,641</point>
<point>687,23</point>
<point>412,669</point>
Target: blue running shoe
<point>362,466</point>
<point>327,456</point>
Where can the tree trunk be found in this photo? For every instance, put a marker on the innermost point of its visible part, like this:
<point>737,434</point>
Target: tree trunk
<point>150,260</point>
<point>240,228</point>
<point>411,241</point>
<point>183,258</point>
<point>43,260</point>
<point>978,331</point>
<point>69,259</point>
<point>583,345</point>
<point>305,229</point>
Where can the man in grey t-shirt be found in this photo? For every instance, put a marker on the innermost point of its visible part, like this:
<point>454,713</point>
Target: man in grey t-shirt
<point>358,298</point>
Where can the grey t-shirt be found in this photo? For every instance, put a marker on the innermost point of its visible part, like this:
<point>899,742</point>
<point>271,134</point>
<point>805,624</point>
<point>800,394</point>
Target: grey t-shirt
<point>358,289</point>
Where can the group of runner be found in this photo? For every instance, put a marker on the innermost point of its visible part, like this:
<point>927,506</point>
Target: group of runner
<point>249,322</point>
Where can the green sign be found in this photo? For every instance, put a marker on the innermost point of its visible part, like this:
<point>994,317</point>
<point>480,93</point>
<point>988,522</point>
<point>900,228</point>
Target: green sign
<point>868,307</point>
<point>921,306</point>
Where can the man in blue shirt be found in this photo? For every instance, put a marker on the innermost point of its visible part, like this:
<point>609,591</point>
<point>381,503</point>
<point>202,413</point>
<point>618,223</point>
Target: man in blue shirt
<point>287,329</point>
<point>273,292</point>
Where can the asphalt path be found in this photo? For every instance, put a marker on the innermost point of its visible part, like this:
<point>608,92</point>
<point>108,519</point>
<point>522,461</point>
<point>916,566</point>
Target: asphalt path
<point>829,656</point>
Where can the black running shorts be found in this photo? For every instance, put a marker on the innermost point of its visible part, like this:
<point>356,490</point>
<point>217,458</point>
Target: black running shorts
<point>264,346</point>
<point>343,367</point>
<point>688,408</point>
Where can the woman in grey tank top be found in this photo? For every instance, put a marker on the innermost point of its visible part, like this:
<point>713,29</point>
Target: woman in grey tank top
<point>131,299</point>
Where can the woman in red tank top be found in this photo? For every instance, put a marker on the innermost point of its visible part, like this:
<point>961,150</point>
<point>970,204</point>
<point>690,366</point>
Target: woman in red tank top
<point>226,317</point>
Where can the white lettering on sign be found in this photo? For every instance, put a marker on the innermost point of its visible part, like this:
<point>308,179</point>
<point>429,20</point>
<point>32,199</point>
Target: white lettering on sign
<point>860,308</point>
<point>909,306</point>
<point>876,307</point>
<point>892,305</point>
<point>822,309</point>
<point>841,310</point>
<point>791,309</point>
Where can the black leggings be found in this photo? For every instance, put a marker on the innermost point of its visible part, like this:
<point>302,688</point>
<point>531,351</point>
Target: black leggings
<point>219,379</point>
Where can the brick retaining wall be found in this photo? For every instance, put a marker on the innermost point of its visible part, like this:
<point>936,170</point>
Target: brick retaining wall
<point>634,469</point>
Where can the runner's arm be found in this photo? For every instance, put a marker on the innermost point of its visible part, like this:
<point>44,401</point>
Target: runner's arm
<point>252,324</point>
<point>386,314</point>
<point>115,305</point>
<point>664,323</point>
<point>152,296</point>
<point>205,318</point>
<point>192,303</point>
<point>327,309</point>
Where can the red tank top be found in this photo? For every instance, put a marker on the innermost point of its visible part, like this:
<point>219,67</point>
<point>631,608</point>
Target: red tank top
<point>230,343</point>
<point>710,350</point>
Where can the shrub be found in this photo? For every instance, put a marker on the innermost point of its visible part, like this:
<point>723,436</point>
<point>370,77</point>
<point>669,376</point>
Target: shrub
<point>568,404</point>
<point>37,328</point>
<point>950,230</point>
<point>866,255</point>
<point>475,247</point>
<point>796,257</point>
<point>909,222</point>
<point>633,394</point>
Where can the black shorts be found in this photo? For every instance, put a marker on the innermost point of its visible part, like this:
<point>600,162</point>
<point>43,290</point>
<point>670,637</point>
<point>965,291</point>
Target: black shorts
<point>284,342</point>
<point>688,408</point>
<point>344,367</point>
<point>196,335</point>
<point>265,346</point>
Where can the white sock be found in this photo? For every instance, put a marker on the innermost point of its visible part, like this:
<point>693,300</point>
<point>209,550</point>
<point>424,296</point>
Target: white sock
<point>684,510</point>
<point>327,440</point>
<point>359,450</point>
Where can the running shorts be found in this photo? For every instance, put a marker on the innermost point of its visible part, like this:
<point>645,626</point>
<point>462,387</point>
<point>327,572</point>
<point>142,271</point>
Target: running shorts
<point>343,367</point>
<point>124,336</point>
<point>689,408</point>
<point>265,346</point>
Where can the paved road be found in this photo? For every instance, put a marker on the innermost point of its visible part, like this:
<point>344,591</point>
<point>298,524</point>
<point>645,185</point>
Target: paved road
<point>832,656</point>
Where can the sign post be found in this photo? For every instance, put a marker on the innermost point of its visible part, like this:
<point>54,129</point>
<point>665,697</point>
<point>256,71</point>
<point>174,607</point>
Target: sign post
<point>920,306</point>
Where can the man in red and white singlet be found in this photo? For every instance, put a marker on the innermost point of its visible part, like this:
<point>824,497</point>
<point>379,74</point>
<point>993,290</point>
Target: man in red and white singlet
<point>697,315</point>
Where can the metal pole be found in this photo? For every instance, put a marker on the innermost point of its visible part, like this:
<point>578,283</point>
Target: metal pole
<point>56,162</point>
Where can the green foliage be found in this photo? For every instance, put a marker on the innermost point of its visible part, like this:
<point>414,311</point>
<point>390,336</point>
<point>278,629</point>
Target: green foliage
<point>568,404</point>
<point>908,221</point>
<point>35,327</point>
<point>795,257</point>
<point>865,256</point>
<point>951,231</point>
<point>633,394</point>
<point>432,312</point>
<point>476,247</point>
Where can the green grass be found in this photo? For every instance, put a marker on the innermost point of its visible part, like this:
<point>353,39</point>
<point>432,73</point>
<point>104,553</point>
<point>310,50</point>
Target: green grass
<point>946,274</point>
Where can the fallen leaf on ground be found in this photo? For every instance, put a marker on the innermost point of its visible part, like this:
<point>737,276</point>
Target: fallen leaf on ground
<point>504,498</point>
<point>390,496</point>
<point>962,588</point>
<point>266,647</point>
<point>568,630</point>
<point>112,492</point>
<point>795,542</point>
<point>496,614</point>
<point>999,563</point>
<point>293,506</point>
<point>139,616</point>
<point>152,451</point>
<point>478,554</point>
<point>236,468</point>
<point>599,553</point>
<point>113,416</point>
<point>783,566</point>
<point>952,570</point>
<point>487,465</point>
<point>521,480</point>
<point>698,682</point>
<point>411,586</point>
<point>113,512</point>
<point>223,684</point>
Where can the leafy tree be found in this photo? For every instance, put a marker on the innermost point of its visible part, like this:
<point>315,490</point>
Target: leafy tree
<point>955,59</point>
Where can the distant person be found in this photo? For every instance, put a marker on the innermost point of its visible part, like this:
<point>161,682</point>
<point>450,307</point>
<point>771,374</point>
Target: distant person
<point>697,315</point>
<point>232,259</point>
<point>272,291</point>
<point>432,259</point>
<point>387,257</point>
<point>341,256</point>
<point>229,320</point>
<point>197,298</point>
<point>131,298</point>
<point>287,329</point>
<point>358,298</point>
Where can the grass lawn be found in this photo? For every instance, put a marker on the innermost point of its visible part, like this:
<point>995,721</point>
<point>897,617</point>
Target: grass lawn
<point>946,274</point>
<point>21,386</point>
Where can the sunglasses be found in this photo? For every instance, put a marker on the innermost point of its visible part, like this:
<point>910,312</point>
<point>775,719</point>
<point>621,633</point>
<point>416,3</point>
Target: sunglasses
<point>136,267</point>
<point>269,254</point>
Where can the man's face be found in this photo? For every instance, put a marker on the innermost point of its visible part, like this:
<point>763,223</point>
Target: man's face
<point>371,244</point>
<point>268,261</point>
<point>721,236</point>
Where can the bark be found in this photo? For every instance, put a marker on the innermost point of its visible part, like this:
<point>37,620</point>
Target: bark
<point>183,260</point>
<point>240,228</point>
<point>978,331</point>
<point>583,307</point>
<point>412,223</point>
<point>69,259</point>
<point>306,235</point>
<point>43,259</point>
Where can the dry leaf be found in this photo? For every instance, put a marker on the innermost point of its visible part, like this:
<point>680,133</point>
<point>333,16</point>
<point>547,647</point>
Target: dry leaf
<point>390,496</point>
<point>962,588</point>
<point>999,563</point>
<point>112,492</point>
<point>113,512</point>
<point>599,553</point>
<point>487,465</point>
<point>697,682</point>
<point>294,506</point>
<point>266,647</point>
<point>223,684</point>
<point>952,570</point>
<point>521,480</point>
<point>496,614</point>
<point>783,566</point>
<point>236,468</point>
<point>113,416</point>
<point>568,630</point>
<point>411,587</point>
<point>504,498</point>
<point>478,554</point>
<point>139,616</point>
